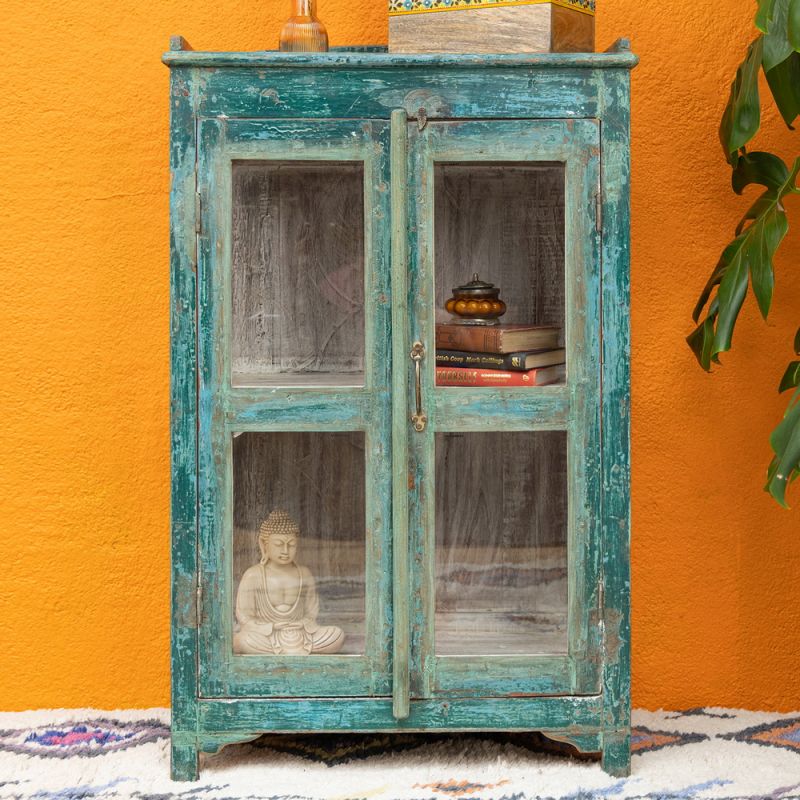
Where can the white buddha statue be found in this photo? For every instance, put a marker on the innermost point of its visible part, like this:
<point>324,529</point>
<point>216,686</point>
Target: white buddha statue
<point>277,603</point>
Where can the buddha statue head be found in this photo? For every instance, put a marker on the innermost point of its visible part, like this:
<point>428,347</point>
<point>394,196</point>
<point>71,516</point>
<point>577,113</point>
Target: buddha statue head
<point>277,538</point>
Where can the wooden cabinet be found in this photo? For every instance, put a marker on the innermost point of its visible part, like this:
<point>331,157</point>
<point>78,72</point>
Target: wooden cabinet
<point>457,558</point>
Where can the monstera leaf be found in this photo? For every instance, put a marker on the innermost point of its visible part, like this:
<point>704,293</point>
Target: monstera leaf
<point>793,24</point>
<point>777,47</point>
<point>764,15</point>
<point>742,115</point>
<point>785,440</point>
<point>784,83</point>
<point>748,258</point>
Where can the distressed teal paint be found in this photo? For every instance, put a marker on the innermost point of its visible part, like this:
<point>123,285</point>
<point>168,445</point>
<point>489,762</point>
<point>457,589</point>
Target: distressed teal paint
<point>615,496</point>
<point>576,144</point>
<point>375,714</point>
<point>401,653</point>
<point>183,423</point>
<point>358,59</point>
<point>502,676</point>
<point>568,107</point>
<point>226,410</point>
<point>508,409</point>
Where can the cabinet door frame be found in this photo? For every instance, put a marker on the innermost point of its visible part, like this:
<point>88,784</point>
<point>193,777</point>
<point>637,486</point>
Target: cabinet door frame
<point>224,409</point>
<point>575,407</point>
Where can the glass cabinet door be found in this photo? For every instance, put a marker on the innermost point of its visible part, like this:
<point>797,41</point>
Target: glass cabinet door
<point>508,462</point>
<point>294,398</point>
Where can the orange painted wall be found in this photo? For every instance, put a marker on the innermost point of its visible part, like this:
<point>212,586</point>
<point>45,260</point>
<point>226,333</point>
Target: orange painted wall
<point>84,559</point>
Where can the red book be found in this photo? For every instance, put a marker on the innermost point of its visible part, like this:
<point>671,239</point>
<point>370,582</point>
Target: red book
<point>464,376</point>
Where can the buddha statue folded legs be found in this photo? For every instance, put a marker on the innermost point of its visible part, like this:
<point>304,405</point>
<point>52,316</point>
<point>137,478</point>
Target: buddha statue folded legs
<point>277,603</point>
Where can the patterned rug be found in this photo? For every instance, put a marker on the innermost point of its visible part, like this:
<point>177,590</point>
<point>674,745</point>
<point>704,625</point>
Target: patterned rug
<point>700,753</point>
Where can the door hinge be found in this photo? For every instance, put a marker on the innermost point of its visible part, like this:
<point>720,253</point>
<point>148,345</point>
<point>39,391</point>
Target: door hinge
<point>598,210</point>
<point>199,603</point>
<point>198,220</point>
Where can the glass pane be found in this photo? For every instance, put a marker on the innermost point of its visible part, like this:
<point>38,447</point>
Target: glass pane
<point>502,222</point>
<point>501,543</point>
<point>298,543</point>
<point>298,273</point>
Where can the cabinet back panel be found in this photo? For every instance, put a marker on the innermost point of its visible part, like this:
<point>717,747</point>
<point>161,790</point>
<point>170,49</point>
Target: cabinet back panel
<point>504,221</point>
<point>319,479</point>
<point>501,543</point>
<point>297,273</point>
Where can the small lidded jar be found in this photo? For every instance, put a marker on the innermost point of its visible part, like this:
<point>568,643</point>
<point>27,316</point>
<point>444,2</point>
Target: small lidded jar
<point>476,303</point>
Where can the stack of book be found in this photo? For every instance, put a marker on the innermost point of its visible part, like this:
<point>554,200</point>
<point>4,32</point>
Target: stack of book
<point>498,355</point>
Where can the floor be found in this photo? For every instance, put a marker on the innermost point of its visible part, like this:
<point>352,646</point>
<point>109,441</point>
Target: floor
<point>697,753</point>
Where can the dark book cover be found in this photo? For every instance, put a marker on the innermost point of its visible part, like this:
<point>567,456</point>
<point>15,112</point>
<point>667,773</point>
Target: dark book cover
<point>514,362</point>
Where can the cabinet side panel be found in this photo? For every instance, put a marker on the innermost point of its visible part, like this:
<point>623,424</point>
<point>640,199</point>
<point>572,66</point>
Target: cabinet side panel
<point>616,405</point>
<point>183,402</point>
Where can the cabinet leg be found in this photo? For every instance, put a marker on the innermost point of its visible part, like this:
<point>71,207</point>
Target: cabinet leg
<point>184,764</point>
<point>616,758</point>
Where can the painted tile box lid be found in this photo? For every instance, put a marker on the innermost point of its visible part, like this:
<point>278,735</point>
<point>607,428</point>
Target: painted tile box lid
<point>397,7</point>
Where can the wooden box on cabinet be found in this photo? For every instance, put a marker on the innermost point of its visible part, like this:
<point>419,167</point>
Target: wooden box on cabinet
<point>491,26</point>
<point>469,545</point>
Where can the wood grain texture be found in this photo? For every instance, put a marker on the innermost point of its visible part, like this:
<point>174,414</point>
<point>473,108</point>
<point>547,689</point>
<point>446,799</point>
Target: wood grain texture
<point>297,273</point>
<point>319,478</point>
<point>401,641</point>
<point>618,56</point>
<point>616,425</point>
<point>509,676</point>
<point>512,409</point>
<point>504,221</point>
<point>539,28</point>
<point>505,29</point>
<point>362,715</point>
<point>501,543</point>
<point>571,31</point>
<point>183,422</point>
<point>450,92</point>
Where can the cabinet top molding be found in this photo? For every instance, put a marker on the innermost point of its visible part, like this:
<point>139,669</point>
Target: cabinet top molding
<point>181,55</point>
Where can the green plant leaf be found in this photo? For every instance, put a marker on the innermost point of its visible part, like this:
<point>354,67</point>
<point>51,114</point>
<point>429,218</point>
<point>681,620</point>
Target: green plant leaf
<point>742,115</point>
<point>797,343</point>
<point>731,293</point>
<point>791,378</point>
<point>793,24</point>
<point>784,84</point>
<point>748,257</point>
<point>776,39</point>
<point>764,169</point>
<point>701,339</point>
<point>785,443</point>
<point>764,14</point>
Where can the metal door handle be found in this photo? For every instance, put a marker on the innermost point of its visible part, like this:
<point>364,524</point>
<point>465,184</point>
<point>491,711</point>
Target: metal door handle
<point>417,354</point>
